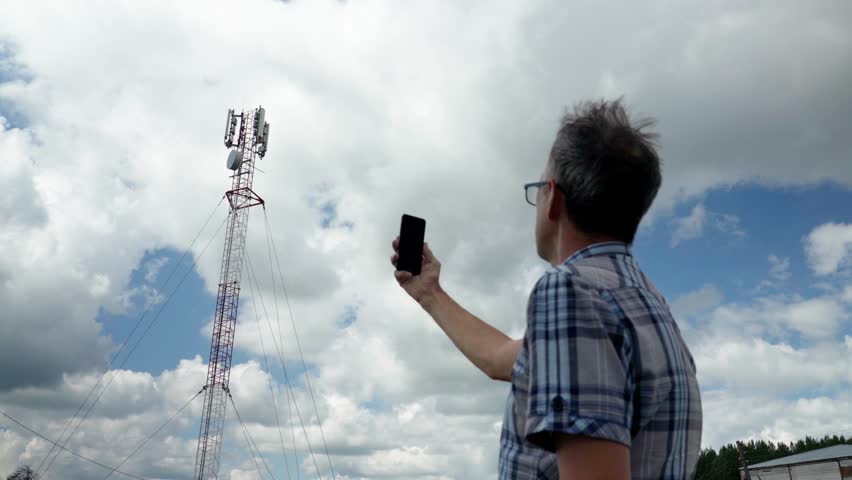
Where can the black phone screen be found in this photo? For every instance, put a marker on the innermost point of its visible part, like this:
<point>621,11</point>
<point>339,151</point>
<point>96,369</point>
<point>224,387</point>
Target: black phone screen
<point>411,234</point>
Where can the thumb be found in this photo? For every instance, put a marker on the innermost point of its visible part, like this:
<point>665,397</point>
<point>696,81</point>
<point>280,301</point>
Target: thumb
<point>402,276</point>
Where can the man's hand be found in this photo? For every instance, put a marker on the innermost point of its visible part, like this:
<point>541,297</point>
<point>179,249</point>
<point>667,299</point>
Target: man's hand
<point>424,287</point>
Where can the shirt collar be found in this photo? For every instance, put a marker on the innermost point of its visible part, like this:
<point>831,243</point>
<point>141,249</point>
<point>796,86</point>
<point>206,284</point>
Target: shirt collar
<point>598,249</point>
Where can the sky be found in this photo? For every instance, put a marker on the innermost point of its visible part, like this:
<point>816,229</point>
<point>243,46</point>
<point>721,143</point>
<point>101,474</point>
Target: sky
<point>111,116</point>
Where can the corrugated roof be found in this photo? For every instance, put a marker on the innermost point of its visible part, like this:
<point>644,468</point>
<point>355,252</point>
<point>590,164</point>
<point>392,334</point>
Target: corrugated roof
<point>829,453</point>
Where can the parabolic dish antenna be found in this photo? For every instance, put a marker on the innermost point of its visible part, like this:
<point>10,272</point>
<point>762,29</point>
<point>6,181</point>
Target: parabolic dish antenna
<point>235,159</point>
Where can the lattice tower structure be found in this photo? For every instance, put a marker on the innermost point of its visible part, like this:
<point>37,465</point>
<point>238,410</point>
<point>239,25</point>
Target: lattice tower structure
<point>241,198</point>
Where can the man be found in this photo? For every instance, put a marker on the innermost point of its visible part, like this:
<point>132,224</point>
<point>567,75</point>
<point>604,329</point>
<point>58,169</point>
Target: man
<point>603,386</point>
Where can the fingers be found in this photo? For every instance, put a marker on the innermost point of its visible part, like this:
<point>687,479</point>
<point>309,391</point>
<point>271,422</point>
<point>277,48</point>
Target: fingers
<point>427,252</point>
<point>395,245</point>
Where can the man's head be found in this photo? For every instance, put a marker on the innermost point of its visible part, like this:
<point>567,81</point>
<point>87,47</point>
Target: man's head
<point>604,174</point>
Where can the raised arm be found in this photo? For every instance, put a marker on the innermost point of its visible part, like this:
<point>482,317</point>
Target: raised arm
<point>486,347</point>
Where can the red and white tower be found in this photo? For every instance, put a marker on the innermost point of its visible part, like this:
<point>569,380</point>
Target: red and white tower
<point>250,146</point>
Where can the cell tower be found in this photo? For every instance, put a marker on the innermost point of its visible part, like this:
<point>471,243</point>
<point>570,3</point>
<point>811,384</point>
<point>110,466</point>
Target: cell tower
<point>251,145</point>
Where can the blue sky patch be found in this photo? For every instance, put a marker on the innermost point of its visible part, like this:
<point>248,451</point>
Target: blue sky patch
<point>12,71</point>
<point>175,335</point>
<point>348,317</point>
<point>325,201</point>
<point>774,222</point>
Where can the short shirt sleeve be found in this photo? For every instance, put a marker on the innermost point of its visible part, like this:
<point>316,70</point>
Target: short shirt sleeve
<point>578,369</point>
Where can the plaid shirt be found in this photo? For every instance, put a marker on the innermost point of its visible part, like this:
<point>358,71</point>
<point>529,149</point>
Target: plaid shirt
<point>602,357</point>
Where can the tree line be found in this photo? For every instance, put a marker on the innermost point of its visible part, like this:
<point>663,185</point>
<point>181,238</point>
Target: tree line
<point>724,464</point>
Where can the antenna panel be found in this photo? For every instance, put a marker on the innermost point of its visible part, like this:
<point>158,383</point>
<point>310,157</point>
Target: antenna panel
<point>230,121</point>
<point>259,119</point>
<point>264,143</point>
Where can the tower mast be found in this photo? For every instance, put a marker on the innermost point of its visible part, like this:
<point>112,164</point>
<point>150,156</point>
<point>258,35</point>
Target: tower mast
<point>251,145</point>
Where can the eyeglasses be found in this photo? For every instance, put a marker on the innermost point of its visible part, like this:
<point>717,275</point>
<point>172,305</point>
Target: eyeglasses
<point>531,190</point>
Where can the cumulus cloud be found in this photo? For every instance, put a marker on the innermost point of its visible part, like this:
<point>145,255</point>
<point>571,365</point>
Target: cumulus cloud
<point>689,227</point>
<point>828,247</point>
<point>700,300</point>
<point>790,344</point>
<point>744,416</point>
<point>728,224</point>
<point>780,267</point>
<point>816,317</point>
<point>153,267</point>
<point>693,225</point>
<point>131,409</point>
<point>776,368</point>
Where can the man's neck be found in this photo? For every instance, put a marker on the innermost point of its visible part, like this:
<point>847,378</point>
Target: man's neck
<point>570,241</point>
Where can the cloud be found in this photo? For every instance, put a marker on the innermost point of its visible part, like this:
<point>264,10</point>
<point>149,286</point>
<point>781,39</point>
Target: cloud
<point>751,415</point>
<point>828,247</point>
<point>779,345</point>
<point>780,269</point>
<point>153,267</point>
<point>131,409</point>
<point>779,369</point>
<point>20,205</point>
<point>33,348</point>
<point>817,317</point>
<point>689,227</point>
<point>238,474</point>
<point>692,226</point>
<point>727,223</point>
<point>700,300</point>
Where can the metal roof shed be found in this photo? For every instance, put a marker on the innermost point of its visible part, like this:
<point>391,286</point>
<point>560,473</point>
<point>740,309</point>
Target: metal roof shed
<point>831,463</point>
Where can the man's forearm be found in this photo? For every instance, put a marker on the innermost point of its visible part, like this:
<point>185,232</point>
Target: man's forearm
<point>488,348</point>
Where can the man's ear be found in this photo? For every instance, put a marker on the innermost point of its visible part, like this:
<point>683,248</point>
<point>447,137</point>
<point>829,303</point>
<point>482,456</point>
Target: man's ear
<point>555,202</point>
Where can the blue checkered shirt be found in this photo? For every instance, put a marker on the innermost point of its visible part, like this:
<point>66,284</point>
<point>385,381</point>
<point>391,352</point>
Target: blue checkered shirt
<point>602,357</point>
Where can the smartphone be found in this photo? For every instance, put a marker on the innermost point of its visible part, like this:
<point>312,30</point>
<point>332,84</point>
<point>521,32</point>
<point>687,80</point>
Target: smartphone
<point>411,233</point>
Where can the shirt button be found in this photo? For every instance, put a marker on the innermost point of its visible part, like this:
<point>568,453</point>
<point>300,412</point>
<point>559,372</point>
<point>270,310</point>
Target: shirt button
<point>558,404</point>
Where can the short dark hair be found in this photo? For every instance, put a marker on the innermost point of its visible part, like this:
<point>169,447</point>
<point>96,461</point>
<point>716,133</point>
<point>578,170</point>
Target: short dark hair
<point>608,168</point>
